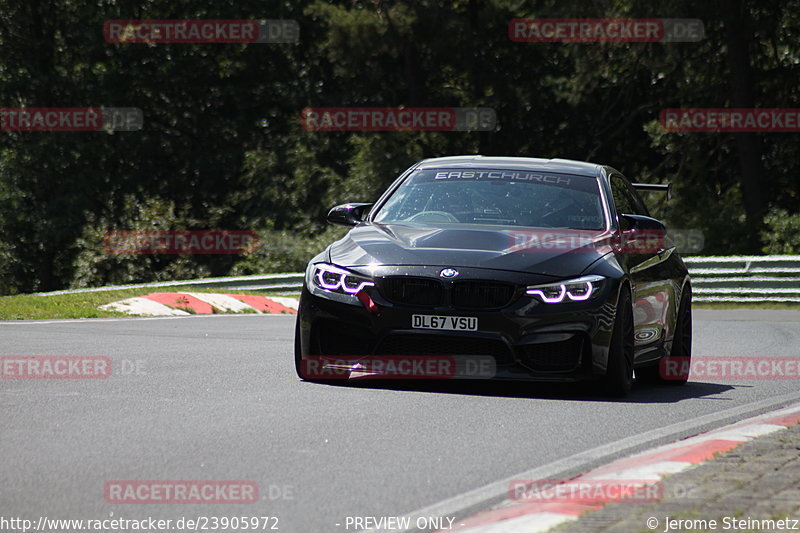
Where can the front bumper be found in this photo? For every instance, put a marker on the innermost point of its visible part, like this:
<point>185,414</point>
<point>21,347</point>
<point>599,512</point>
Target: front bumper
<point>527,339</point>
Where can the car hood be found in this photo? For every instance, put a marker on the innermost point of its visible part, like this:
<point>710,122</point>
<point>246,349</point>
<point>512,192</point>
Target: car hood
<point>547,251</point>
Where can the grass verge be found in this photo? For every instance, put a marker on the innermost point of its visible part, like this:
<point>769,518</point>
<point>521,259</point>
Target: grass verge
<point>86,304</point>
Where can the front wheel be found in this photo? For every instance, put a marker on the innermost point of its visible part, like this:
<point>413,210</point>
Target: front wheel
<point>619,371</point>
<point>298,354</point>
<point>673,369</point>
<point>302,368</point>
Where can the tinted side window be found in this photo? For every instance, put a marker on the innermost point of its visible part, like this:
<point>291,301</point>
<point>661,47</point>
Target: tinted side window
<point>623,199</point>
<point>631,200</point>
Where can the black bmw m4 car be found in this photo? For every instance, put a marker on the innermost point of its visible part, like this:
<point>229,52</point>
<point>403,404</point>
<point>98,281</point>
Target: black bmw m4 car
<point>509,268</point>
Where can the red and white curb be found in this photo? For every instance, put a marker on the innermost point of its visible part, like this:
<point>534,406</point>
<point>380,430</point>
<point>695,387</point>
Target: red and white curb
<point>200,303</point>
<point>650,466</point>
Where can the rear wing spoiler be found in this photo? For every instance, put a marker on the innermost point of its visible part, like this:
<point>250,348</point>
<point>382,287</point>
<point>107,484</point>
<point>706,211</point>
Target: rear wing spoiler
<point>658,187</point>
<point>654,187</point>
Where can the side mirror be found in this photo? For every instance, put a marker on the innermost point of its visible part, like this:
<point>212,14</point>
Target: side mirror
<point>347,214</point>
<point>643,235</point>
<point>641,223</point>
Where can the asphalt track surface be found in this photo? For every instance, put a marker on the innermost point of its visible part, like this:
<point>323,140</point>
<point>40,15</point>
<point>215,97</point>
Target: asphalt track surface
<point>216,398</point>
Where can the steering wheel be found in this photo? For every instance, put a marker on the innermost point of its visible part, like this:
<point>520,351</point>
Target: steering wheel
<point>433,216</point>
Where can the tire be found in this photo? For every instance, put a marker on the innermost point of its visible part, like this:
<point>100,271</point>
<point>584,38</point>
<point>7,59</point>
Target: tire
<point>619,371</point>
<point>681,349</point>
<point>298,358</point>
<point>298,353</point>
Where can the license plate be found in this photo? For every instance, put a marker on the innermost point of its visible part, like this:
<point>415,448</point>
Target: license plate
<point>449,323</point>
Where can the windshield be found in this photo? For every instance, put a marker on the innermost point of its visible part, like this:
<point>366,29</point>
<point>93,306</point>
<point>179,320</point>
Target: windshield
<point>496,197</point>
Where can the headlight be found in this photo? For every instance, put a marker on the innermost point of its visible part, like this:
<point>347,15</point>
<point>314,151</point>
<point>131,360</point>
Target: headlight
<point>335,279</point>
<point>576,290</point>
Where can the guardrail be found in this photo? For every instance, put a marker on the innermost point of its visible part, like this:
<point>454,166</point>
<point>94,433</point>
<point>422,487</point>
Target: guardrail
<point>743,279</point>
<point>735,279</point>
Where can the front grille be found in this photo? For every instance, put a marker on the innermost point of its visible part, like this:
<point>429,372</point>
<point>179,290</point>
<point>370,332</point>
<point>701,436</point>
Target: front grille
<point>482,294</point>
<point>563,356</point>
<point>429,292</point>
<point>411,291</point>
<point>435,345</point>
